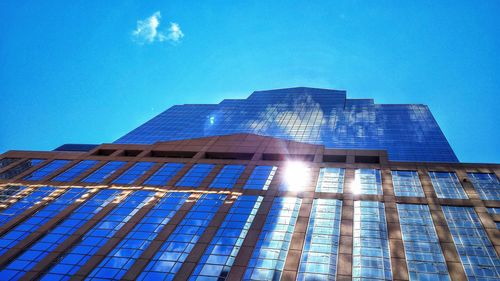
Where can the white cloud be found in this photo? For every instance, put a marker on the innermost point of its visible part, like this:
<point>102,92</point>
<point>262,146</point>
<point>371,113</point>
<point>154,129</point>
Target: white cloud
<point>147,31</point>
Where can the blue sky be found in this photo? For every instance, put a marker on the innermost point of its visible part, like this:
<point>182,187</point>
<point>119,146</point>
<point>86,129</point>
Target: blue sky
<point>90,71</point>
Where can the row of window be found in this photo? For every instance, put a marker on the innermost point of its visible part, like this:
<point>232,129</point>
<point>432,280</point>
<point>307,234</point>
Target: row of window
<point>367,181</point>
<point>318,261</point>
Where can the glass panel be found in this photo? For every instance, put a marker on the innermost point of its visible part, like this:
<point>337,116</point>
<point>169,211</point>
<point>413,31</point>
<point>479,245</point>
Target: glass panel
<point>494,211</point>
<point>24,203</point>
<point>228,176</point>
<point>407,183</point>
<point>75,171</point>
<point>39,218</point>
<point>261,178</point>
<point>7,161</point>
<point>222,250</point>
<point>195,175</point>
<point>164,174</point>
<point>475,249</point>
<point>331,180</point>
<point>319,256</point>
<point>20,168</point>
<point>104,172</point>
<point>172,254</point>
<point>370,242</point>
<point>38,251</point>
<point>46,170</point>
<point>121,258</point>
<point>424,257</point>
<point>134,172</point>
<point>487,185</point>
<point>268,258</point>
<point>7,192</point>
<point>447,185</point>
<point>92,241</point>
<point>367,181</point>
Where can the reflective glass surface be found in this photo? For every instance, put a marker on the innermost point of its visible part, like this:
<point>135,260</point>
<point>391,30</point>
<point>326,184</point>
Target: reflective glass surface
<point>79,254</point>
<point>476,252</point>
<point>20,168</point>
<point>36,252</point>
<point>75,171</point>
<point>24,203</point>
<point>260,178</point>
<point>104,172</point>
<point>318,116</point>
<point>319,256</point>
<point>447,185</point>
<point>371,260</point>
<point>268,258</point>
<point>7,161</point>
<point>407,183</point>
<point>228,176</point>
<point>46,170</point>
<point>222,250</point>
<point>39,218</point>
<point>494,211</point>
<point>164,174</point>
<point>7,192</point>
<point>121,258</point>
<point>174,251</point>
<point>195,175</point>
<point>424,257</point>
<point>367,181</point>
<point>133,173</point>
<point>331,180</point>
<point>486,184</point>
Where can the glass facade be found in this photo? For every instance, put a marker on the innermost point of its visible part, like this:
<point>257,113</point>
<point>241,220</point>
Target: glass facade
<point>486,184</point>
<point>370,254</point>
<point>228,176</point>
<point>476,252</point>
<point>7,161</point>
<point>20,168</point>
<point>407,183</point>
<point>46,170</point>
<point>319,256</point>
<point>195,175</point>
<point>447,185</point>
<point>220,254</point>
<point>133,173</point>
<point>104,172</point>
<point>260,178</point>
<point>25,203</point>
<point>268,258</point>
<point>424,257</point>
<point>331,180</point>
<point>367,181</point>
<point>164,174</point>
<point>75,171</point>
<point>7,192</point>
<point>318,116</point>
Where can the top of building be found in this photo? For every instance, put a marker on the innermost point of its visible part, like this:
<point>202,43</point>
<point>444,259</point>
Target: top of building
<point>408,132</point>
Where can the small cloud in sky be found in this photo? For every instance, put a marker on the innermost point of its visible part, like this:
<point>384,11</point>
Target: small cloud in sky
<point>147,31</point>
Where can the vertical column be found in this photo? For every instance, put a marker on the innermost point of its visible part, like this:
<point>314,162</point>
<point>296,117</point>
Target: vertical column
<point>344,267</point>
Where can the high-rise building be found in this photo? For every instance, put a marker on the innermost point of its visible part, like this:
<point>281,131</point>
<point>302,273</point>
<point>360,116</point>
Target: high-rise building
<point>292,184</point>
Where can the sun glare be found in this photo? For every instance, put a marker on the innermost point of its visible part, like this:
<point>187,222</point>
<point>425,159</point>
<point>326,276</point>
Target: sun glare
<point>296,176</point>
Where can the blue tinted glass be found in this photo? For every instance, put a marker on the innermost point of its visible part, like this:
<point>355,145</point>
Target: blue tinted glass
<point>367,181</point>
<point>407,183</point>
<point>330,180</point>
<point>476,252</point>
<point>76,257</point>
<point>370,252</point>
<point>134,172</point>
<point>46,170</point>
<point>164,174</point>
<point>4,162</point>
<point>228,176</point>
<point>24,203</point>
<point>408,132</point>
<point>121,258</point>
<point>222,250</point>
<point>319,256</point>
<point>75,171</point>
<point>424,257</point>
<point>268,258</point>
<point>494,211</point>
<point>173,252</point>
<point>20,168</point>
<point>36,252</point>
<point>195,175</point>
<point>39,218</point>
<point>104,172</point>
<point>261,178</point>
<point>447,185</point>
<point>486,184</point>
<point>6,193</point>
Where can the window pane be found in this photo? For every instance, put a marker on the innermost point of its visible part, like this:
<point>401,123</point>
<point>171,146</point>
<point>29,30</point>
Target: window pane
<point>195,175</point>
<point>7,161</point>
<point>75,171</point>
<point>261,178</point>
<point>447,185</point>
<point>104,172</point>
<point>134,172</point>
<point>7,192</point>
<point>228,176</point>
<point>46,170</point>
<point>407,183</point>
<point>268,258</point>
<point>319,256</point>
<point>486,184</point>
<point>367,181</point>
<point>24,203</point>
<point>164,174</point>
<point>20,168</point>
<point>331,180</point>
